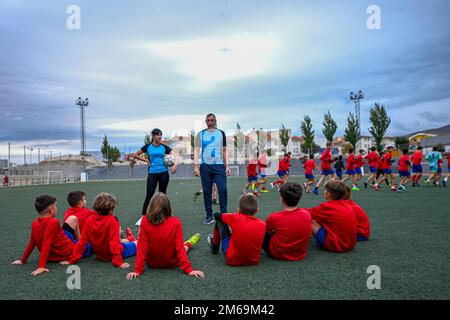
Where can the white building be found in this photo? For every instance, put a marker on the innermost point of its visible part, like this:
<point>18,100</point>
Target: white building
<point>366,142</point>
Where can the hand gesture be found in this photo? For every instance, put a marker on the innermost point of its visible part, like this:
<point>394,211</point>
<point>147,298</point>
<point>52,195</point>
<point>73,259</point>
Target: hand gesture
<point>174,169</point>
<point>196,172</point>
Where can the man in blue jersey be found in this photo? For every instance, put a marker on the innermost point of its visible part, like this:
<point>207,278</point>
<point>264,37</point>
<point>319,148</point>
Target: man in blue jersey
<point>211,164</point>
<point>433,159</point>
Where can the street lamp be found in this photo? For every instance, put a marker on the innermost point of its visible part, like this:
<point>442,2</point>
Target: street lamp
<point>355,97</point>
<point>82,103</point>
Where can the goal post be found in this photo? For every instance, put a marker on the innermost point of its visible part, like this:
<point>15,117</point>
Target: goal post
<point>54,177</point>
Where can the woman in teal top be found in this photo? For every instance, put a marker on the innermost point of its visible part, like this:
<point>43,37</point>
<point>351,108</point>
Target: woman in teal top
<point>158,173</point>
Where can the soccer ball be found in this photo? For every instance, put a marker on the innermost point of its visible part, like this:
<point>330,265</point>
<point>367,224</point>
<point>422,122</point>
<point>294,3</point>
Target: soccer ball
<point>169,160</point>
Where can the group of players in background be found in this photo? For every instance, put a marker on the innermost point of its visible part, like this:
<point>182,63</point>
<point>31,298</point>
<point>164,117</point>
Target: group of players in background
<point>333,168</point>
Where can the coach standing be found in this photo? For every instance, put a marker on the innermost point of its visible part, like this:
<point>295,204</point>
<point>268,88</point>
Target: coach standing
<point>210,151</point>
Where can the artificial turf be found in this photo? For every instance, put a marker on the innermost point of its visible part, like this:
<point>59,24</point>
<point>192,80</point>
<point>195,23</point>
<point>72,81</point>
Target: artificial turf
<point>410,243</point>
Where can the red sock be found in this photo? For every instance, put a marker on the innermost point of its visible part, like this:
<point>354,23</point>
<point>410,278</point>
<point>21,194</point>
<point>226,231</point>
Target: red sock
<point>216,237</point>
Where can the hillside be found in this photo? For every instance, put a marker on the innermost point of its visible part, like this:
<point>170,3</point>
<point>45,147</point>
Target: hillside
<point>437,131</point>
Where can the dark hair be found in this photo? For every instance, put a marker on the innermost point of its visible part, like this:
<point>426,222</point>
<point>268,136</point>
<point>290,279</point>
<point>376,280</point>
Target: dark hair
<point>340,157</point>
<point>104,203</point>
<point>155,132</point>
<point>74,197</point>
<point>291,193</point>
<point>311,156</point>
<point>159,208</point>
<point>419,148</point>
<point>373,149</point>
<point>435,148</point>
<point>381,153</point>
<point>248,204</point>
<point>405,151</point>
<point>336,189</point>
<point>361,151</point>
<point>351,150</point>
<point>348,193</point>
<point>211,114</point>
<point>43,202</point>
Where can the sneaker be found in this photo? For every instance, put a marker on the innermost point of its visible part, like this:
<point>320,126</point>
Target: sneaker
<point>365,185</point>
<point>355,188</point>
<point>208,220</point>
<point>444,183</point>
<point>214,248</point>
<point>413,184</point>
<point>393,188</point>
<point>253,186</point>
<point>399,190</point>
<point>129,235</point>
<point>376,187</point>
<point>194,239</point>
<point>264,191</point>
<point>215,202</point>
<point>305,185</point>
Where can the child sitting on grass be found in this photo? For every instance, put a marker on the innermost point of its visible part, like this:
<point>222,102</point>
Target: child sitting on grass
<point>334,223</point>
<point>361,216</point>
<point>161,242</point>
<point>47,235</point>
<point>243,246</point>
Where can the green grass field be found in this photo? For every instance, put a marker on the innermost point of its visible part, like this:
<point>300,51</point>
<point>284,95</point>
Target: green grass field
<point>410,243</point>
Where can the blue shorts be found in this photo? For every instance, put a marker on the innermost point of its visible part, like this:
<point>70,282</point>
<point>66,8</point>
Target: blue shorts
<point>329,172</point>
<point>358,171</point>
<point>387,171</point>
<point>439,170</point>
<point>263,174</point>
<point>129,249</point>
<point>403,173</point>
<point>225,244</point>
<point>309,176</point>
<point>320,237</point>
<point>87,251</point>
<point>417,168</point>
<point>252,178</point>
<point>339,174</point>
<point>350,172</point>
<point>361,238</point>
<point>373,169</point>
<point>281,173</point>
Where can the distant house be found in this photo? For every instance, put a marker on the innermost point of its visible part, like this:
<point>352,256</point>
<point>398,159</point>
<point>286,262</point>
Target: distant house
<point>417,138</point>
<point>429,143</point>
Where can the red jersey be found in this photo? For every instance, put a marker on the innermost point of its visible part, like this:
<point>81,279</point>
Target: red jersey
<point>291,232</point>
<point>387,160</point>
<point>326,160</point>
<point>262,161</point>
<point>417,157</point>
<point>403,163</point>
<point>161,246</point>
<point>81,213</point>
<point>5,180</point>
<point>361,219</point>
<point>251,170</point>
<point>350,165</point>
<point>246,241</point>
<point>372,158</point>
<point>359,162</point>
<point>339,221</point>
<point>380,163</point>
<point>284,164</point>
<point>102,232</point>
<point>48,236</point>
<point>309,166</point>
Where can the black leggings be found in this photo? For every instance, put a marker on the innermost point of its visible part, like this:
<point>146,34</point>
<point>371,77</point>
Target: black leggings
<point>152,180</point>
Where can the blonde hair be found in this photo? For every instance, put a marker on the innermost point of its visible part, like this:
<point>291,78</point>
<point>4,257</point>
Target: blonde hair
<point>159,208</point>
<point>104,203</point>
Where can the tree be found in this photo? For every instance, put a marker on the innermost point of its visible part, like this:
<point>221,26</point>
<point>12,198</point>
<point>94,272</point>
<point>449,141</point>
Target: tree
<point>308,134</point>
<point>284,137</point>
<point>105,146</point>
<point>308,150</point>
<point>239,143</point>
<point>380,123</point>
<point>346,148</point>
<point>192,135</point>
<point>401,142</point>
<point>147,139</point>
<point>114,154</point>
<point>352,131</point>
<point>329,127</point>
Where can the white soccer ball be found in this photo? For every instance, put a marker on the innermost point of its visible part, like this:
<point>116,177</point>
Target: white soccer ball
<point>169,160</point>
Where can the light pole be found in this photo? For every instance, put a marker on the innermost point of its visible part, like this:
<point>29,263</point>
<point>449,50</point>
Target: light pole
<point>82,103</point>
<point>355,97</point>
<point>31,154</point>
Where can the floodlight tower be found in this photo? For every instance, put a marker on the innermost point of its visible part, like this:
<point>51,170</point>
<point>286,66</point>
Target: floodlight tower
<point>82,103</point>
<point>355,97</point>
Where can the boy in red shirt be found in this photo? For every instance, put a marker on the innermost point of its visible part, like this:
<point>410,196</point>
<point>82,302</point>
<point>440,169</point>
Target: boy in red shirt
<point>358,165</point>
<point>327,160</point>
<point>372,159</point>
<point>47,235</point>
<point>78,210</point>
<point>417,169</point>
<point>444,182</point>
<point>262,167</point>
<point>361,216</point>
<point>283,170</point>
<point>403,171</point>
<point>157,225</point>
<point>334,223</point>
<point>309,166</point>
<point>387,171</point>
<point>350,167</point>
<point>288,231</point>
<point>252,176</point>
<point>243,245</point>
<point>102,231</point>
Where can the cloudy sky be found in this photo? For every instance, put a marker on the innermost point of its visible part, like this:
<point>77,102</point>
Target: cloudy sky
<point>166,64</point>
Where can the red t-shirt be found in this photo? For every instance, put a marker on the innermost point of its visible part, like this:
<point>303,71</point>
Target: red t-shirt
<point>309,166</point>
<point>326,160</point>
<point>417,157</point>
<point>102,232</point>
<point>81,213</point>
<point>387,161</point>
<point>262,161</point>
<point>380,163</point>
<point>339,221</point>
<point>361,219</point>
<point>359,161</point>
<point>251,170</point>
<point>350,165</point>
<point>284,164</point>
<point>291,232</point>
<point>48,236</point>
<point>372,158</point>
<point>246,241</point>
<point>161,246</point>
<point>403,163</point>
